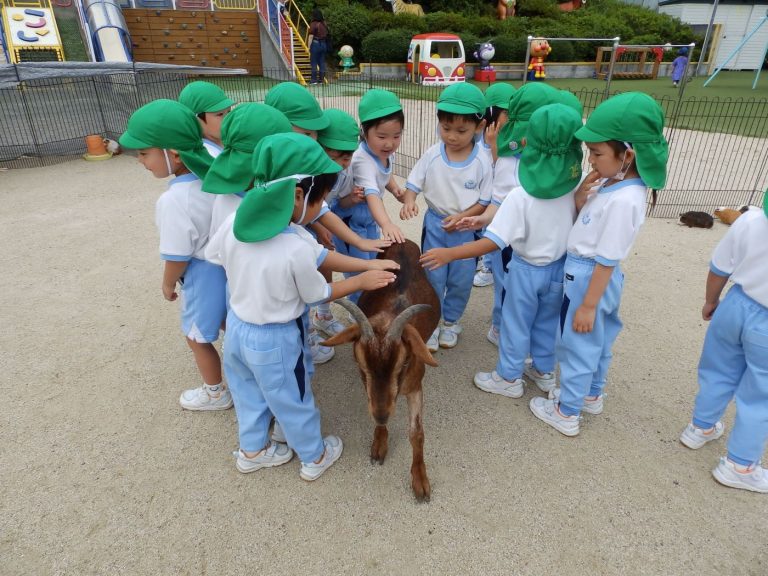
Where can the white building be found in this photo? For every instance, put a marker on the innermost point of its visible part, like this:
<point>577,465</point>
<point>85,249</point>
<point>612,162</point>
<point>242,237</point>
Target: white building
<point>734,20</point>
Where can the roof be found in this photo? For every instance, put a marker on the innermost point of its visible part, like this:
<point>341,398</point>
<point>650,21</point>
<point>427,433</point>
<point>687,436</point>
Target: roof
<point>436,36</point>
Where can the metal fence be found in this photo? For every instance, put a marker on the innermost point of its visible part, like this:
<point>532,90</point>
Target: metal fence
<point>718,148</point>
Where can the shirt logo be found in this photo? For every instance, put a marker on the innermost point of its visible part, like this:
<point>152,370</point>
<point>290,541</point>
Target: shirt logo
<point>470,184</point>
<point>586,219</point>
<point>575,171</point>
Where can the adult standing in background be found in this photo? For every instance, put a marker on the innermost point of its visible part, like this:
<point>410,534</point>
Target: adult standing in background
<point>318,33</point>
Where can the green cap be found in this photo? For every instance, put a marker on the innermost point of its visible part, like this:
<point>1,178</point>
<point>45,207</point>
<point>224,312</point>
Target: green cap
<point>169,125</point>
<point>202,96</point>
<point>377,104</point>
<point>241,131</point>
<point>498,95</point>
<point>524,102</point>
<point>765,202</point>
<point>550,165</point>
<point>280,161</point>
<point>342,133</point>
<point>298,105</point>
<point>570,99</point>
<point>462,98</point>
<point>635,118</point>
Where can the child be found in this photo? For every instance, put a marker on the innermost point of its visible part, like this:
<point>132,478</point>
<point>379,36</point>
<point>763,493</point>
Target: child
<point>299,106</point>
<point>272,271</point>
<point>734,361</point>
<point>628,154</point>
<point>679,64</point>
<point>535,220</point>
<point>211,105</point>
<point>169,141</point>
<point>455,178</point>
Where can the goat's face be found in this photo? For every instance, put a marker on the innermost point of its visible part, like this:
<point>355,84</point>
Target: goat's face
<point>382,366</point>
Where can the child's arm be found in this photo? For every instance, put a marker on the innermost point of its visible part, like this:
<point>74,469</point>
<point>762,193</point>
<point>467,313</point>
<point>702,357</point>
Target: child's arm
<point>357,196</point>
<point>394,188</point>
<point>587,188</point>
<point>434,258</point>
<point>336,262</point>
<point>478,222</point>
<point>173,270</point>
<point>409,209</point>
<point>450,222</point>
<point>324,237</point>
<point>379,213</point>
<point>491,138</point>
<point>584,317</point>
<point>715,285</point>
<point>371,280</point>
<point>337,227</point>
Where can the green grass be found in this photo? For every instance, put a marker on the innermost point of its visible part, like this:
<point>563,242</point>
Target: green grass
<point>69,34</point>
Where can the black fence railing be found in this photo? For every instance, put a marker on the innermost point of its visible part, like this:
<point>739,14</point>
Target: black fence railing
<point>718,147</point>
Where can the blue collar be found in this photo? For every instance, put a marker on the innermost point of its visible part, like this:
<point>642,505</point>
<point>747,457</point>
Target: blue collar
<point>620,185</point>
<point>465,163</point>
<point>382,168</point>
<point>190,177</point>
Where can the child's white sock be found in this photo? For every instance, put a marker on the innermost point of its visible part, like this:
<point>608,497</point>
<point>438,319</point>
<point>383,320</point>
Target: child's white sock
<point>213,389</point>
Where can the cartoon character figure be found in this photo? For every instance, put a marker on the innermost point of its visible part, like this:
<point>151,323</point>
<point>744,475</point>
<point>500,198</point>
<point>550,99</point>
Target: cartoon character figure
<point>540,49</point>
<point>345,54</point>
<point>484,54</point>
<point>505,9</point>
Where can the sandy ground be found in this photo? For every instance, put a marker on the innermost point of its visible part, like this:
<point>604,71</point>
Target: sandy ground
<point>103,473</point>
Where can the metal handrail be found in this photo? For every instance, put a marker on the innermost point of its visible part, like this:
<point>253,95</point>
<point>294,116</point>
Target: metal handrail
<point>298,22</point>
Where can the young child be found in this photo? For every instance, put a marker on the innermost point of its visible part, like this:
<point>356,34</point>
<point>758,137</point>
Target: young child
<point>169,141</point>
<point>211,105</point>
<point>628,154</point>
<point>734,361</point>
<point>678,65</point>
<point>550,170</point>
<point>455,178</point>
<point>271,264</point>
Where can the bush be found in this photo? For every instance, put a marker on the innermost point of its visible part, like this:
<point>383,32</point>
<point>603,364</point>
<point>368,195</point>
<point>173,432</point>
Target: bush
<point>409,22</point>
<point>348,23</point>
<point>474,7</point>
<point>470,42</point>
<point>509,49</point>
<point>381,20</point>
<point>541,8</point>
<point>387,45</point>
<point>444,22</point>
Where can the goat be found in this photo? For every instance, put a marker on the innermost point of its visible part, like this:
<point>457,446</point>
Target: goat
<point>695,219</point>
<point>393,324</point>
<point>727,215</point>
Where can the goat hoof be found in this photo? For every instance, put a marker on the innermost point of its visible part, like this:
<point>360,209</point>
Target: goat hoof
<point>378,461</point>
<point>421,489</point>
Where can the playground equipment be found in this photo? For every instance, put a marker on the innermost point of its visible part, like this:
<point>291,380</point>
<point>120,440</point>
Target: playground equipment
<point>107,32</point>
<point>29,33</point>
<point>629,63</point>
<point>738,49</point>
<point>436,59</point>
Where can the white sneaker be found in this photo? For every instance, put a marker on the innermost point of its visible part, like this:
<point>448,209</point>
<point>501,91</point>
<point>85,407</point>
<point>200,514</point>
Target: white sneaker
<point>544,380</point>
<point>547,411</point>
<point>449,334</point>
<point>321,354</point>
<point>493,335</point>
<point>591,405</point>
<point>754,478</point>
<point>333,448</point>
<point>695,438</point>
<point>277,433</point>
<point>432,344</point>
<point>327,324</point>
<point>273,455</point>
<point>203,399</point>
<point>495,384</point>
<point>483,278</point>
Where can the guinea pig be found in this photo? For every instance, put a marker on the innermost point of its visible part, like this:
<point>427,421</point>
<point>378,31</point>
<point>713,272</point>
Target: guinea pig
<point>727,215</point>
<point>695,219</point>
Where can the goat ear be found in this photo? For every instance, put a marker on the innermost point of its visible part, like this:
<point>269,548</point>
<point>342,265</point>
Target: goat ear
<point>418,347</point>
<point>349,335</point>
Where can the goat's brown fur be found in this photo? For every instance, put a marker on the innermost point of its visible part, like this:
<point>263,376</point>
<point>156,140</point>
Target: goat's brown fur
<point>392,367</point>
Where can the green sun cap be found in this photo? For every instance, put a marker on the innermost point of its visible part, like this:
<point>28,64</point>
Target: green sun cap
<point>169,125</point>
<point>241,131</point>
<point>280,161</point>
<point>635,118</point>
<point>342,133</point>
<point>765,203</point>
<point>570,99</point>
<point>298,105</point>
<point>524,102</point>
<point>377,104</point>
<point>462,98</point>
<point>498,95</point>
<point>550,165</point>
<point>200,96</point>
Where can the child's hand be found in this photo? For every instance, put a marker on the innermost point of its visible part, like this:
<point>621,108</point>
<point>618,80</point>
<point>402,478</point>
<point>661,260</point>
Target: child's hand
<point>383,265</point>
<point>409,210</point>
<point>584,319</point>
<point>588,186</point>
<point>434,258</point>
<point>396,191</point>
<point>324,235</point>
<point>393,233</point>
<point>357,195</point>
<point>491,135</point>
<point>366,245</point>
<point>375,279</point>
<point>449,222</point>
<point>708,309</point>
<point>169,292</point>
<point>471,223</point>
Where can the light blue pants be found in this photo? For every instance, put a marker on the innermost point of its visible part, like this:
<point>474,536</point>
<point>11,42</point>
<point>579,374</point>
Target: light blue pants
<point>204,300</point>
<point>532,300</point>
<point>734,364</point>
<point>585,358</point>
<point>267,371</point>
<point>499,263</point>
<point>453,283</point>
<point>359,219</point>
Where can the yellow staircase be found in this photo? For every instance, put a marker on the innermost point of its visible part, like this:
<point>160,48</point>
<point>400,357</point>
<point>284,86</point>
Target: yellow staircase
<point>300,27</point>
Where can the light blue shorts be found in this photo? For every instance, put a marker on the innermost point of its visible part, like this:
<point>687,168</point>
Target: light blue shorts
<point>204,301</point>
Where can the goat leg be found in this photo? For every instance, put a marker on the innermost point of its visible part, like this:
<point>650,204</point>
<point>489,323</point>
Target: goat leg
<point>379,447</point>
<point>419,481</point>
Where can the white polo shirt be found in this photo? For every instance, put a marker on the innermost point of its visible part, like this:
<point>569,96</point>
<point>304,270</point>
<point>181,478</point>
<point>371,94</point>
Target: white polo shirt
<point>452,187</point>
<point>537,230</point>
<point>223,206</point>
<point>505,177</point>
<point>213,148</point>
<point>183,218</point>
<point>343,187</point>
<point>369,172</point>
<point>741,254</point>
<point>609,222</point>
<point>271,281</point>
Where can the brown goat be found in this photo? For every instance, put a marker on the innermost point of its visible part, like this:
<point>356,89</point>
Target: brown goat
<point>393,324</point>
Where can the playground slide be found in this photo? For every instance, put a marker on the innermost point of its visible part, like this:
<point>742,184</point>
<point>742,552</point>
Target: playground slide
<point>109,34</point>
<point>30,34</point>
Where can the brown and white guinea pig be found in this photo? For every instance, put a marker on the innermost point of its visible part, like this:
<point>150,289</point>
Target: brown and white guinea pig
<point>727,215</point>
<point>695,219</point>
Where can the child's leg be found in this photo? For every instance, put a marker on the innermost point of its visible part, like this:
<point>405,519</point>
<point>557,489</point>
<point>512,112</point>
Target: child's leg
<point>499,262</point>
<point>361,223</point>
<point>544,328</point>
<point>458,284</point>
<point>207,360</point>
<point>612,328</point>
<point>433,236</point>
<point>518,313</point>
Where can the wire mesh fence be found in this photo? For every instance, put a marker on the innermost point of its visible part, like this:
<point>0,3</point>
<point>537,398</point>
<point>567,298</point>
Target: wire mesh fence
<point>718,147</point>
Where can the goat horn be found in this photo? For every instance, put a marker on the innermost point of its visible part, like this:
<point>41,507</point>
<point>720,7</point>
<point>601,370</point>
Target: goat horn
<point>398,324</point>
<point>365,326</point>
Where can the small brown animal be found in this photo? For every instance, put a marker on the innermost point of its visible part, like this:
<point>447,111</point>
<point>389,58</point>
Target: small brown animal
<point>727,215</point>
<point>695,219</point>
<point>393,324</point>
